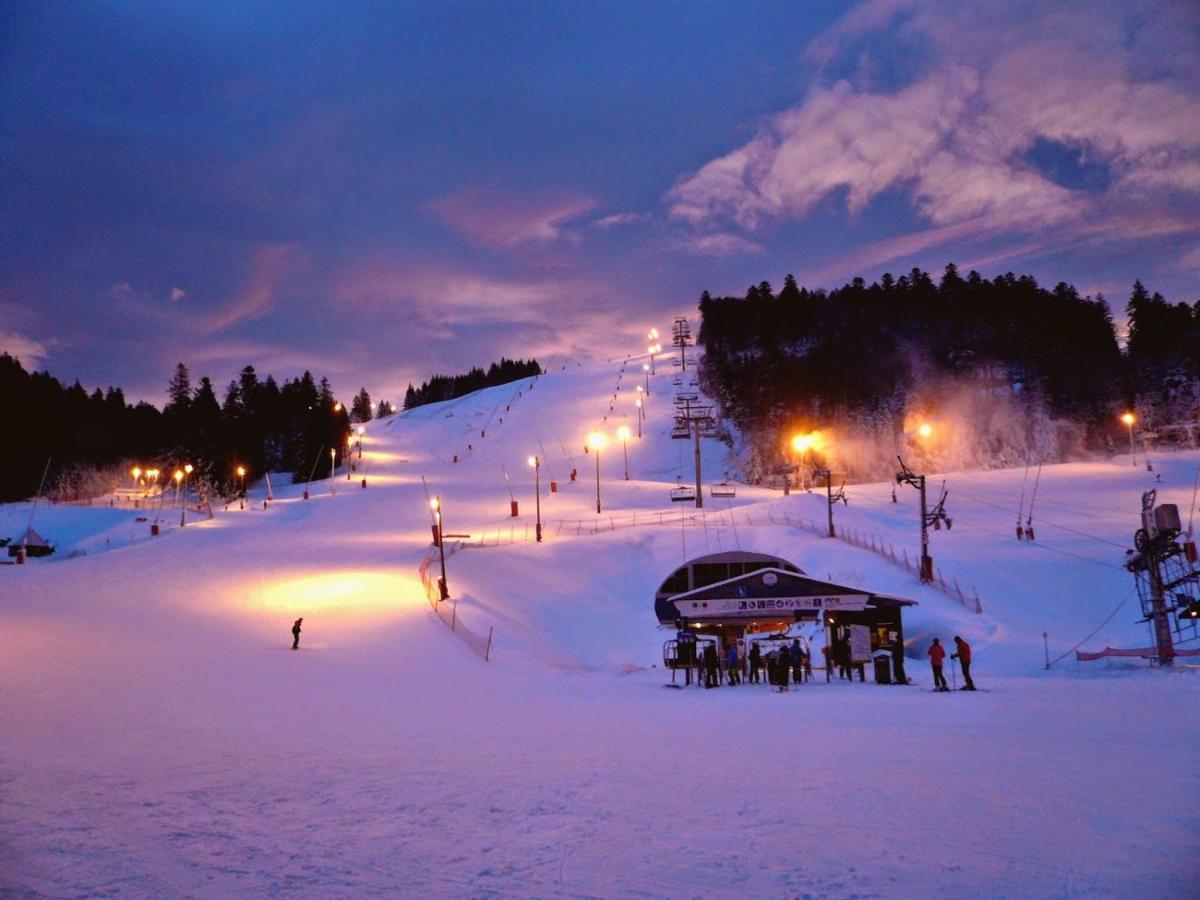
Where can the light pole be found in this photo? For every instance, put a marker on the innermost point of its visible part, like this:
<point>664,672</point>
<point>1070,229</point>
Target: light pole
<point>801,444</point>
<point>597,440</point>
<point>349,453</point>
<point>361,432</point>
<point>241,475</point>
<point>443,588</point>
<point>641,415</point>
<point>332,470</point>
<point>646,371</point>
<point>623,434</point>
<point>1129,418</point>
<point>536,465</point>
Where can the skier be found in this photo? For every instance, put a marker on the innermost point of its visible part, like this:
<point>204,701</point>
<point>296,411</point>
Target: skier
<point>731,659</point>
<point>937,654</point>
<point>710,665</point>
<point>963,655</point>
<point>296,633</point>
<point>827,652</point>
<point>797,662</point>
<point>782,666</point>
<point>755,662</point>
<point>842,649</point>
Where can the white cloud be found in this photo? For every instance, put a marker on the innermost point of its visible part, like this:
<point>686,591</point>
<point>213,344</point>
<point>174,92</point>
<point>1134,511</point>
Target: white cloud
<point>177,294</point>
<point>31,353</point>
<point>618,219</point>
<point>498,218</point>
<point>955,139</point>
<point>722,243</point>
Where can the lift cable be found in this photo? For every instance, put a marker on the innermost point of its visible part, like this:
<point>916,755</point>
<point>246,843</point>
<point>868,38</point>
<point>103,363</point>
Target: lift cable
<point>1095,631</point>
<point>999,506</point>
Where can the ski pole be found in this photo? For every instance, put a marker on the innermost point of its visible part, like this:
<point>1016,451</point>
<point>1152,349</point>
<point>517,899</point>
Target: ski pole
<point>954,674</point>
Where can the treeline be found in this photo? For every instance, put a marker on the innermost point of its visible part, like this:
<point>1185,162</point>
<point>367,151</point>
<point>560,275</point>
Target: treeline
<point>260,424</point>
<point>1007,361</point>
<point>447,387</point>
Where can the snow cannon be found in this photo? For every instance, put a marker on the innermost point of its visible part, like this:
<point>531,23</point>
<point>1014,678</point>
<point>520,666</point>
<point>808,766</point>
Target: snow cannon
<point>513,507</point>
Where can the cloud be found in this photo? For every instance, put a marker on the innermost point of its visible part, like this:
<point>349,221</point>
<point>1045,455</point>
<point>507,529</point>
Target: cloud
<point>31,353</point>
<point>617,219</point>
<point>505,219</point>
<point>956,140</point>
<point>721,243</point>
<point>177,294</point>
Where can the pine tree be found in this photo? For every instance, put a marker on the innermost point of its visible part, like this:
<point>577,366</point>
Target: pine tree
<point>360,410</point>
<point>179,390</point>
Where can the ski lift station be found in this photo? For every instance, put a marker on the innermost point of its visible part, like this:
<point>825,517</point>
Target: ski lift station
<point>733,595</point>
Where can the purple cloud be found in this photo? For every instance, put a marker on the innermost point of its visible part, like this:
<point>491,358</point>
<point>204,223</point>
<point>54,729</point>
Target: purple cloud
<point>505,219</point>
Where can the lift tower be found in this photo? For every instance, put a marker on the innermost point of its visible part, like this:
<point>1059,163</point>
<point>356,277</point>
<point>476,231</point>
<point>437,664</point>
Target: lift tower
<point>681,337</point>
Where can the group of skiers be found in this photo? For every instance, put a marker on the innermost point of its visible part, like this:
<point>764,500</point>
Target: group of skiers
<point>937,657</point>
<point>776,667</point>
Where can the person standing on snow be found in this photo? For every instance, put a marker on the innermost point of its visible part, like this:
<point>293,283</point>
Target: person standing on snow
<point>296,633</point>
<point>963,655</point>
<point>797,662</point>
<point>755,662</point>
<point>783,665</point>
<point>937,655</point>
<point>710,665</point>
<point>731,660</point>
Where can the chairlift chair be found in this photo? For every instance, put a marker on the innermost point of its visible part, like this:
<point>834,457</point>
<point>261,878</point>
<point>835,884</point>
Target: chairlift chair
<point>724,489</point>
<point>682,493</point>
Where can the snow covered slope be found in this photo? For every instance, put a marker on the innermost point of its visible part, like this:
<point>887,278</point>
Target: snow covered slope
<point>158,737</point>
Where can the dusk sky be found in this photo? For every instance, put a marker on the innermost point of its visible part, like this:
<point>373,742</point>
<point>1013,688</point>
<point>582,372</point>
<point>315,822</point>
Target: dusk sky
<point>380,191</point>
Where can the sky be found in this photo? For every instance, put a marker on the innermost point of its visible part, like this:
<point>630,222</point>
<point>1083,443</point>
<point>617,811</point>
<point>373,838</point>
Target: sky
<point>380,191</point>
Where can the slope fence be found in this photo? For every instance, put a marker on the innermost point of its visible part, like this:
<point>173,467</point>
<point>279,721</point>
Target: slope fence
<point>447,610</point>
<point>517,534</point>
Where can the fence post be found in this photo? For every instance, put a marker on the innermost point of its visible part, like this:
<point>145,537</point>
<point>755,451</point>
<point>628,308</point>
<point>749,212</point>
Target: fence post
<point>453,614</point>
<point>487,651</point>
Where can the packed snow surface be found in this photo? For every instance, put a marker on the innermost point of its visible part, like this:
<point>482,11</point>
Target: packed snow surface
<point>158,736</point>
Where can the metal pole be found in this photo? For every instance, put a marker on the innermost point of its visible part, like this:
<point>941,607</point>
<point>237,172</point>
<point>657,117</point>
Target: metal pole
<point>1132,457</point>
<point>1046,643</point>
<point>1165,648</point>
<point>829,499</point>
<point>647,382</point>
<point>699,489</point>
<point>926,567</point>
<point>537,496</point>
<point>445,587</point>
<point>625,448</point>
<point>597,481</point>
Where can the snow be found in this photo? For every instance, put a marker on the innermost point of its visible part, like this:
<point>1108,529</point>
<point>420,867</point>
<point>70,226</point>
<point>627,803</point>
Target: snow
<point>158,738</point>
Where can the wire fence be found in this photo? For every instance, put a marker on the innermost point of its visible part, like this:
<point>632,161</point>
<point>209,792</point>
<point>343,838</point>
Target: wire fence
<point>516,533</point>
<point>447,610</point>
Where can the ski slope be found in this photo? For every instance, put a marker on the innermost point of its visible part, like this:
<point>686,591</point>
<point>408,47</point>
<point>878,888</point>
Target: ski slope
<point>159,737</point>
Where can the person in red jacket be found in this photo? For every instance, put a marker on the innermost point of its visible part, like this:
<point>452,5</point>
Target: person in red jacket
<point>964,658</point>
<point>937,655</point>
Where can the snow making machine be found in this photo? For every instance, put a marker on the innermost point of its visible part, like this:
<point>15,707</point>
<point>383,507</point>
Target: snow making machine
<point>732,595</point>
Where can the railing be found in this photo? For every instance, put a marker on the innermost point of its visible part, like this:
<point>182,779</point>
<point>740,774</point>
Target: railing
<point>447,610</point>
<point>514,534</point>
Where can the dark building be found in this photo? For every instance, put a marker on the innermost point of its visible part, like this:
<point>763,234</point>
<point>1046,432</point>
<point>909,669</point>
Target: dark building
<point>729,596</point>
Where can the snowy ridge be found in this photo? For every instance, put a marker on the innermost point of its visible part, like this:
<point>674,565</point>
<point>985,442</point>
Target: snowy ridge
<point>159,737</point>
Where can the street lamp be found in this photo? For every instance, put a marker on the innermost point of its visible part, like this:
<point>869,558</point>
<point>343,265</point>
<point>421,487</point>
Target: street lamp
<point>646,371</point>
<point>332,470</point>
<point>178,480</point>
<point>641,415</point>
<point>623,434</point>
<point>1129,418</point>
<point>597,441</point>
<point>443,588</point>
<point>924,430</point>
<point>536,465</point>
<point>361,432</point>
<point>136,472</point>
<point>241,474</point>
<point>801,444</point>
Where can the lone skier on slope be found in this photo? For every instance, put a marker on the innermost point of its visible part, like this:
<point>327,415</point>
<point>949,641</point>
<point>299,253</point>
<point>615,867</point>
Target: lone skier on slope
<point>296,633</point>
<point>937,655</point>
<point>964,658</point>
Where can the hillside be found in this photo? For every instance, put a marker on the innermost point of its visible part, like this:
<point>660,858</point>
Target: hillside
<point>160,737</point>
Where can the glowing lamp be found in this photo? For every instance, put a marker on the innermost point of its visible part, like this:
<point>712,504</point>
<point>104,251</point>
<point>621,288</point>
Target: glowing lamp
<point>597,440</point>
<point>623,432</point>
<point>924,429</point>
<point>1128,418</point>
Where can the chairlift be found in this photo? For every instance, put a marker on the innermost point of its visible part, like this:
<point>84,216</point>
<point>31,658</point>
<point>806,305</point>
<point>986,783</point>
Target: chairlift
<point>682,493</point>
<point>724,489</point>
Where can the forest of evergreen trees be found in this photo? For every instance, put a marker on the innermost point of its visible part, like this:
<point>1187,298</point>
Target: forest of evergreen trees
<point>1023,371</point>
<point>447,387</point>
<point>260,424</point>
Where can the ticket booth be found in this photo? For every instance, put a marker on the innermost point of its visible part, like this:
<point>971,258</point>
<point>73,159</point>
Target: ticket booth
<point>728,596</point>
